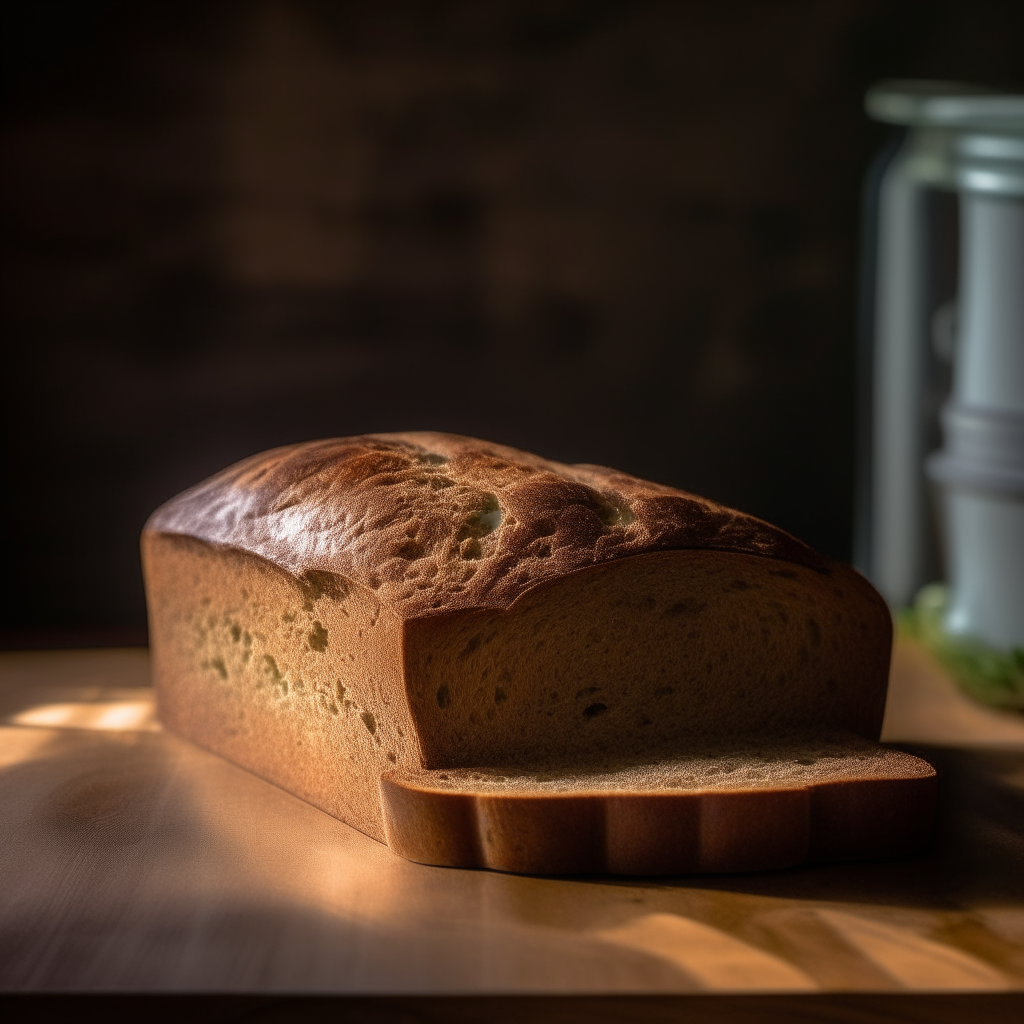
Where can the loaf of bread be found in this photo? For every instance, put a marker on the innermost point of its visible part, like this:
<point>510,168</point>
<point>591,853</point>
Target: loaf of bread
<point>485,658</point>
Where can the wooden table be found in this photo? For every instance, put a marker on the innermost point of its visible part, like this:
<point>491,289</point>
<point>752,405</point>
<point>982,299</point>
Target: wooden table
<point>133,861</point>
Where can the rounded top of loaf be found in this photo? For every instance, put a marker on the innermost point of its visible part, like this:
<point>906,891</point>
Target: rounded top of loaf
<point>438,522</point>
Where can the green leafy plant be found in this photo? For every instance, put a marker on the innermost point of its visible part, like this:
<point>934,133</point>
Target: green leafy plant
<point>990,675</point>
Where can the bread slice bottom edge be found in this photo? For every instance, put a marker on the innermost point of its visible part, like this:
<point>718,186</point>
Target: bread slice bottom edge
<point>745,811</point>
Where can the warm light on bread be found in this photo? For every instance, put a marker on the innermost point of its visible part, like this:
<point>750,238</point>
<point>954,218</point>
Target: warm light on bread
<point>439,613</point>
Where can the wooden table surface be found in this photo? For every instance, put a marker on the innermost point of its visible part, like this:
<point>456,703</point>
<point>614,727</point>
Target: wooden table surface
<point>133,861</point>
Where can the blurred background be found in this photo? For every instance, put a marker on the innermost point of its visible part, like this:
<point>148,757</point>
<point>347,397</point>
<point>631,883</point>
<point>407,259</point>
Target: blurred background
<point>624,233</point>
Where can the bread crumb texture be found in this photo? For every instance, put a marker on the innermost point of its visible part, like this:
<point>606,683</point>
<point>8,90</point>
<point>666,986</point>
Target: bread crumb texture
<point>296,679</point>
<point>437,522</point>
<point>660,652</point>
<point>790,763</point>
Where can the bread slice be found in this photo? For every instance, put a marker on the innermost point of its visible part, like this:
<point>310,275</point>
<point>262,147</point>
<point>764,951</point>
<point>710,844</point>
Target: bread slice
<point>332,614</point>
<point>744,808</point>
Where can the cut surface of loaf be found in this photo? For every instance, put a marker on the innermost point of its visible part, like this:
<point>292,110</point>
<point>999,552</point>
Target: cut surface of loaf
<point>339,613</point>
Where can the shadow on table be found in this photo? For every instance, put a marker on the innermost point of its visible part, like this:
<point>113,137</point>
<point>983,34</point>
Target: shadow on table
<point>976,854</point>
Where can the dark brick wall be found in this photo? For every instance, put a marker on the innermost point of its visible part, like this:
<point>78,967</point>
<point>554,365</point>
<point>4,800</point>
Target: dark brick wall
<point>622,233</point>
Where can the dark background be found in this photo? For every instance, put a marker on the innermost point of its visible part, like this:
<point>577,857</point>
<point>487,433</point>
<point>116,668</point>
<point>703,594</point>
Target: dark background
<point>623,233</point>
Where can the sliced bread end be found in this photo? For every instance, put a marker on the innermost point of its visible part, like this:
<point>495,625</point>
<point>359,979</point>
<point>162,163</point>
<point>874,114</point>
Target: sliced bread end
<point>749,809</point>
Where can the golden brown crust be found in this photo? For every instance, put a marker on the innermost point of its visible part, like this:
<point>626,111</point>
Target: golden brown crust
<point>438,522</point>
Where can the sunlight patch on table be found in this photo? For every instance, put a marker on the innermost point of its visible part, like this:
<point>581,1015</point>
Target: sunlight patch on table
<point>714,958</point>
<point>106,716</point>
<point>910,959</point>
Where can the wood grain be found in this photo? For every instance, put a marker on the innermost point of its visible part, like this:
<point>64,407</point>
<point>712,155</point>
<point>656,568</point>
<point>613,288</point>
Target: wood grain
<point>132,861</point>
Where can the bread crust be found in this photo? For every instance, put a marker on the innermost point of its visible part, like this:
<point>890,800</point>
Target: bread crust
<point>434,523</point>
